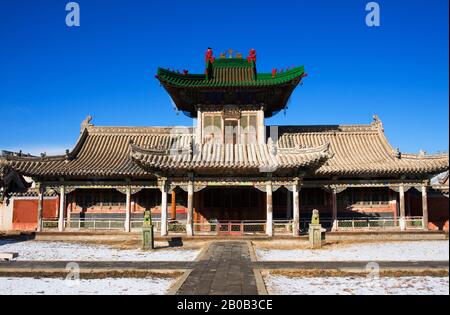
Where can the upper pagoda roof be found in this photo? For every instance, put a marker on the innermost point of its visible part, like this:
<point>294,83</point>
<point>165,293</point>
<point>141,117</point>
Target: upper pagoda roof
<point>230,72</point>
<point>233,81</point>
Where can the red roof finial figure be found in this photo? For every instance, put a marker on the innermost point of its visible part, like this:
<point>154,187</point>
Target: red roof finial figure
<point>209,55</point>
<point>252,56</point>
<point>274,72</point>
<point>185,72</point>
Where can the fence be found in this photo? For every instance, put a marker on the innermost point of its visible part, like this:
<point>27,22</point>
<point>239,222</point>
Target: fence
<point>98,224</point>
<point>327,223</point>
<point>370,223</point>
<point>414,223</point>
<point>282,227</point>
<point>246,227</point>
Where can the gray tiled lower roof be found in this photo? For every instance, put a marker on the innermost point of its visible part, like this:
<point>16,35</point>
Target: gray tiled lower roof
<point>356,150</point>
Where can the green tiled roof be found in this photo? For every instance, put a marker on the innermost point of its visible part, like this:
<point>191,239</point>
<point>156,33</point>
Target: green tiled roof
<point>233,62</point>
<point>231,72</point>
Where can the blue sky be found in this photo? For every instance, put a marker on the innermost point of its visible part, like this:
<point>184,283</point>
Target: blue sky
<point>53,76</point>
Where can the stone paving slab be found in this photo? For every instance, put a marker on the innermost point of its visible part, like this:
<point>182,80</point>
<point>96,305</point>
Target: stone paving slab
<point>225,269</point>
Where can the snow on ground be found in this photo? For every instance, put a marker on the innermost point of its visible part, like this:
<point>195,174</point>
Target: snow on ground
<point>40,250</point>
<point>108,286</point>
<point>282,285</point>
<point>388,251</point>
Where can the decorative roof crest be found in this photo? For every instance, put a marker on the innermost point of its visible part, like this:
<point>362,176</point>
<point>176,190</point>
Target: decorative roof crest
<point>86,123</point>
<point>422,153</point>
<point>377,123</point>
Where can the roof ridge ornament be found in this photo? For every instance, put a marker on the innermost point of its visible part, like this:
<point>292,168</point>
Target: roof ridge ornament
<point>86,123</point>
<point>398,153</point>
<point>209,56</point>
<point>377,123</point>
<point>68,156</point>
<point>251,56</point>
<point>422,153</point>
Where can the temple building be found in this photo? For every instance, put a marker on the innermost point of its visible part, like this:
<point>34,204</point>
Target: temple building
<point>230,173</point>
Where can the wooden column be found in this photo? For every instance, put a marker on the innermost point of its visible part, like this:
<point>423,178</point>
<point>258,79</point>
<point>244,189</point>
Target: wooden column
<point>163,210</point>
<point>173,205</point>
<point>401,191</point>
<point>69,207</point>
<point>62,206</point>
<point>335,209</point>
<point>128,210</point>
<point>40,207</point>
<point>425,207</point>
<point>296,210</point>
<point>269,209</point>
<point>393,204</point>
<point>190,214</point>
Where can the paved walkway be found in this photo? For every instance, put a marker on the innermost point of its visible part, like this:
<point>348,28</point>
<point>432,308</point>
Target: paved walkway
<point>225,269</point>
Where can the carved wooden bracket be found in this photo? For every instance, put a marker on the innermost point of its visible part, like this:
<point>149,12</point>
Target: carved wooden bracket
<point>182,187</point>
<point>334,188</point>
<point>198,188</point>
<point>261,188</point>
<point>70,189</point>
<point>276,187</point>
<point>133,191</point>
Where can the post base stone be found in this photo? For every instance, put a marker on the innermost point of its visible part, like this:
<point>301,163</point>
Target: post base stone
<point>315,235</point>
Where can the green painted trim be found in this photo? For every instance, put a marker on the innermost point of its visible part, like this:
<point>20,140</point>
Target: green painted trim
<point>201,80</point>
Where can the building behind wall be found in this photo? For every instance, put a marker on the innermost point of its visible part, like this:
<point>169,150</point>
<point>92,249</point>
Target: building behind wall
<point>231,167</point>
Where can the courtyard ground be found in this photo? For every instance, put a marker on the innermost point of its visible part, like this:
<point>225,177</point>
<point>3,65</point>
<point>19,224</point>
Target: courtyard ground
<point>354,251</point>
<point>70,251</point>
<point>284,285</point>
<point>107,286</point>
<point>226,267</point>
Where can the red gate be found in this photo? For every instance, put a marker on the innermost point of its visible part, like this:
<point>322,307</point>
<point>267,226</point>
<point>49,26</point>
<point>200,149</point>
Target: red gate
<point>231,228</point>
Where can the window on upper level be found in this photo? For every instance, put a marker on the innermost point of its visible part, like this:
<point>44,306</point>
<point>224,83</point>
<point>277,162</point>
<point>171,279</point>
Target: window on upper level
<point>249,125</point>
<point>212,128</point>
<point>230,130</point>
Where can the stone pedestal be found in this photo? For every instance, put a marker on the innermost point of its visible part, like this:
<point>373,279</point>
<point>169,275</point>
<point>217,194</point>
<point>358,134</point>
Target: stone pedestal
<point>148,242</point>
<point>315,235</point>
<point>147,238</point>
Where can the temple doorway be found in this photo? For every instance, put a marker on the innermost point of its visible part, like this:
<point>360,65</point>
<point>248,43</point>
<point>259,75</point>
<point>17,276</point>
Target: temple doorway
<point>231,204</point>
<point>232,210</point>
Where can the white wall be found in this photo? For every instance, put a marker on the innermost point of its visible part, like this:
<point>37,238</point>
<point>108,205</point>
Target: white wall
<point>6,215</point>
